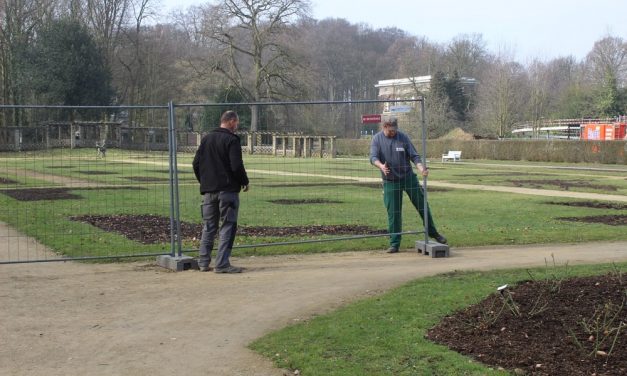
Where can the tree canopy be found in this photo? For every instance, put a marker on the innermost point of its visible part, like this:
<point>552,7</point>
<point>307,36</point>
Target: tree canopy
<point>68,68</point>
<point>91,52</point>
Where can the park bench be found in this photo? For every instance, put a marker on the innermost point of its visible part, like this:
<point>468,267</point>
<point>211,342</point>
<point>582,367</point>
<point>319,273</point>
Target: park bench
<point>454,155</point>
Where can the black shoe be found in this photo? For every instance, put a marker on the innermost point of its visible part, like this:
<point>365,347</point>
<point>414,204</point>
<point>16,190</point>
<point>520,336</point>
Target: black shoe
<point>229,269</point>
<point>205,268</point>
<point>392,250</point>
<point>441,239</point>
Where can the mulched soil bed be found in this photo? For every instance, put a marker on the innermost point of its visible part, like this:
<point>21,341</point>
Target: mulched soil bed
<point>316,230</point>
<point>304,201</point>
<point>97,172</point>
<point>548,335</point>
<point>304,185</point>
<point>612,220</point>
<point>168,171</point>
<point>146,179</point>
<point>366,185</point>
<point>563,184</point>
<point>7,181</point>
<point>505,174</point>
<point>38,194</point>
<point>145,229</point>
<point>592,204</point>
<point>152,229</point>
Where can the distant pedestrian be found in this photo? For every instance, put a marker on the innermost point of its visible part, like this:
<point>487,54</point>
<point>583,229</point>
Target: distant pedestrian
<point>102,149</point>
<point>392,152</point>
<point>219,169</point>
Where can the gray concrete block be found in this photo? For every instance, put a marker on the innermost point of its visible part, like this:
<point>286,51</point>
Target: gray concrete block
<point>178,264</point>
<point>433,249</point>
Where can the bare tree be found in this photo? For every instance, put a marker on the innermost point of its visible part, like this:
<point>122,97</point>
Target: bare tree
<point>132,56</point>
<point>466,54</point>
<point>608,58</point>
<point>247,33</point>
<point>107,18</point>
<point>500,100</point>
<point>538,84</point>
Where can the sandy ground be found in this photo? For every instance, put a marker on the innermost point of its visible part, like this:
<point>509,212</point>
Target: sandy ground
<point>138,319</point>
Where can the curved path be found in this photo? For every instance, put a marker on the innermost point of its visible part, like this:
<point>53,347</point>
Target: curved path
<point>136,319</point>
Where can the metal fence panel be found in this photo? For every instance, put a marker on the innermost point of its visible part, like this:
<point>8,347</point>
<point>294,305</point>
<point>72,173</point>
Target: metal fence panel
<point>84,183</point>
<point>101,182</point>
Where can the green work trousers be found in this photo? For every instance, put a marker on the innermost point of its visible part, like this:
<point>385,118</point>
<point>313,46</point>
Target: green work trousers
<point>393,200</point>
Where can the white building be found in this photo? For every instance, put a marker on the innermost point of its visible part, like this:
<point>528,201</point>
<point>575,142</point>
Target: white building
<point>410,88</point>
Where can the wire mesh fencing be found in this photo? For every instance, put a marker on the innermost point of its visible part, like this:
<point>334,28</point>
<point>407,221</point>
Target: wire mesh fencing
<point>113,182</point>
<point>74,182</point>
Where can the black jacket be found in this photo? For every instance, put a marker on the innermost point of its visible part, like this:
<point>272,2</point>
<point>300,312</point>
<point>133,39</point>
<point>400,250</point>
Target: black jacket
<point>218,162</point>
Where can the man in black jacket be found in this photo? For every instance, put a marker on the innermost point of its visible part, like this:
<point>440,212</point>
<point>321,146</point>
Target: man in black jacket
<point>219,168</point>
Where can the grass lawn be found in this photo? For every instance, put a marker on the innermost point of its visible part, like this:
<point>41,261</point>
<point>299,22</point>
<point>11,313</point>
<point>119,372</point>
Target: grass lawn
<point>296,192</point>
<point>384,335</point>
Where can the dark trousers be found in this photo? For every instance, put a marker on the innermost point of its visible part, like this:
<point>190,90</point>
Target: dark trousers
<point>218,207</point>
<point>393,200</point>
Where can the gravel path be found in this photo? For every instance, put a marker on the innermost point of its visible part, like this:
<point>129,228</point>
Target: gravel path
<point>137,319</point>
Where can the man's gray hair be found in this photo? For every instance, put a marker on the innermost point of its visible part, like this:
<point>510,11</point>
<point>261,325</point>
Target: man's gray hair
<point>228,116</point>
<point>392,122</point>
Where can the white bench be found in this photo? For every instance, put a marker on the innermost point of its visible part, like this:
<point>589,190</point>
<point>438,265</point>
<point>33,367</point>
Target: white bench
<point>455,155</point>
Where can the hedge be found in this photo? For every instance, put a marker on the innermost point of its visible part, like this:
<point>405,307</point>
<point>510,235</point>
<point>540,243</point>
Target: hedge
<point>572,151</point>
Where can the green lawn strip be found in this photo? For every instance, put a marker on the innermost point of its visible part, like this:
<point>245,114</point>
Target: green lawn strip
<point>465,217</point>
<point>49,221</point>
<point>472,218</point>
<point>109,170</point>
<point>384,335</point>
<point>23,181</point>
<point>540,178</point>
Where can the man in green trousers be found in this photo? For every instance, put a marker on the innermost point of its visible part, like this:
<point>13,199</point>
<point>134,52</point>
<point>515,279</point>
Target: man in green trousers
<point>392,152</point>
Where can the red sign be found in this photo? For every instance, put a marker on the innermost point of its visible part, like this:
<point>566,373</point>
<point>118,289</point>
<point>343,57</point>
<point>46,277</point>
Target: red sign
<point>369,119</point>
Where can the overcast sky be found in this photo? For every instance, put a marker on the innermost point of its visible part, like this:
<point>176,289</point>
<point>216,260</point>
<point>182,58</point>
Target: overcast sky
<point>543,29</point>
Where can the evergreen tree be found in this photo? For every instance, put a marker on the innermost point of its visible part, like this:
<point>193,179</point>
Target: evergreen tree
<point>441,118</point>
<point>455,93</point>
<point>68,68</point>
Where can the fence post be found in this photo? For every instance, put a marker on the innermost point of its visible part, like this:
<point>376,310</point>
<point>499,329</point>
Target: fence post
<point>172,169</point>
<point>174,261</point>
<point>434,249</point>
<point>425,208</point>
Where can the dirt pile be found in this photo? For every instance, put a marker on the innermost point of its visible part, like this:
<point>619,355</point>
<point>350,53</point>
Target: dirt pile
<point>548,327</point>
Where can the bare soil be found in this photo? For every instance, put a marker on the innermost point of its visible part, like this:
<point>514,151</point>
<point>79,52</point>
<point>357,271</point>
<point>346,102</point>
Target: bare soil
<point>306,201</point>
<point>561,328</point>
<point>7,181</point>
<point>38,194</point>
<point>563,184</point>
<point>94,172</point>
<point>152,229</point>
<point>611,220</point>
<point>147,179</point>
<point>591,204</point>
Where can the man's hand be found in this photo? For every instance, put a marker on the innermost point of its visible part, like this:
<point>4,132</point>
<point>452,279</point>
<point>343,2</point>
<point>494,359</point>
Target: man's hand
<point>423,170</point>
<point>384,168</point>
<point>245,188</point>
